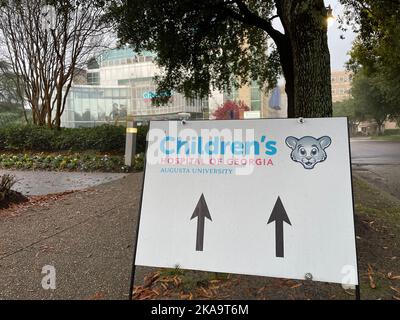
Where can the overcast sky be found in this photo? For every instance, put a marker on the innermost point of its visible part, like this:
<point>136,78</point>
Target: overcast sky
<point>339,47</point>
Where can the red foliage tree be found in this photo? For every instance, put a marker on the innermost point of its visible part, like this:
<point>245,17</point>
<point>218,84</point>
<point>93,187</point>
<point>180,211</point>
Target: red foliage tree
<point>230,110</point>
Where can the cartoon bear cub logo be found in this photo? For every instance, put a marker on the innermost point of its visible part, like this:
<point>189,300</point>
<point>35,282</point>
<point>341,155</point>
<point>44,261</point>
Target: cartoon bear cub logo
<point>308,150</point>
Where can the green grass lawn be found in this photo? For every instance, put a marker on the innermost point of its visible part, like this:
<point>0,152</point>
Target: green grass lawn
<point>378,242</point>
<point>386,138</point>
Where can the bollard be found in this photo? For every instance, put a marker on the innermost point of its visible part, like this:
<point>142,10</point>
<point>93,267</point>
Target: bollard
<point>130,145</point>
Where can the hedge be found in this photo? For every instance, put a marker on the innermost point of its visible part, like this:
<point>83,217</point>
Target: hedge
<point>35,138</point>
<point>391,132</point>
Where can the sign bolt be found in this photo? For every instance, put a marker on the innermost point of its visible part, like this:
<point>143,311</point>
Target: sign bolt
<point>308,276</point>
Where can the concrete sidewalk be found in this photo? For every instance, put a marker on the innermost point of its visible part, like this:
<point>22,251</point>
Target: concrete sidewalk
<point>34,183</point>
<point>87,236</point>
<point>378,162</point>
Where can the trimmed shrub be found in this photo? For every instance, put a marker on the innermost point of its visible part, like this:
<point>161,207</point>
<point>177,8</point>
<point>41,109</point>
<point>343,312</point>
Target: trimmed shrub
<point>6,183</point>
<point>34,138</point>
<point>102,138</point>
<point>26,137</point>
<point>391,132</point>
<point>139,162</point>
<point>141,139</point>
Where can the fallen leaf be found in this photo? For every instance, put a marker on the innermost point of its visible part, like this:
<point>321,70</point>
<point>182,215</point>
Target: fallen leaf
<point>395,289</point>
<point>350,293</point>
<point>164,286</point>
<point>260,290</point>
<point>98,296</point>
<point>205,293</point>
<point>149,280</point>
<point>372,283</point>
<point>141,293</point>
<point>156,292</point>
<point>215,281</point>
<point>392,277</point>
<point>146,297</point>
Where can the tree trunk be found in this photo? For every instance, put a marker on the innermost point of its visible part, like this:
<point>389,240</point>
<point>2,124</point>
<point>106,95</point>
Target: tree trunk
<point>286,58</point>
<point>289,89</point>
<point>49,124</point>
<point>57,119</point>
<point>379,122</point>
<point>305,26</point>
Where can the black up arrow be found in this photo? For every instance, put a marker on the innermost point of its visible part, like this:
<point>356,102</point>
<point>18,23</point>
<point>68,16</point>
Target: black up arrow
<point>201,212</point>
<point>279,216</point>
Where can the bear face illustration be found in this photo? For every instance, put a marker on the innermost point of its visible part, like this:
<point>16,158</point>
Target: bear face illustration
<point>308,150</point>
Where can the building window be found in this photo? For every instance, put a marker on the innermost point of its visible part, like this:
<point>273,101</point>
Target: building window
<point>232,96</point>
<point>93,78</point>
<point>235,94</point>
<point>255,96</point>
<point>256,105</point>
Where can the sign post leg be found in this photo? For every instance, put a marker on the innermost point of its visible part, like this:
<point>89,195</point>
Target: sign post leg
<point>133,273</point>
<point>132,283</point>
<point>358,291</point>
<point>358,295</point>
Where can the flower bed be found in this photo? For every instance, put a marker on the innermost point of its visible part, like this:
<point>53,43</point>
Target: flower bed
<point>68,162</point>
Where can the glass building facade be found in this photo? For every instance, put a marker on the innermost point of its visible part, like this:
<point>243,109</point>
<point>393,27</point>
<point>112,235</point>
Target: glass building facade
<point>143,90</point>
<point>88,106</point>
<point>120,83</point>
<point>255,96</point>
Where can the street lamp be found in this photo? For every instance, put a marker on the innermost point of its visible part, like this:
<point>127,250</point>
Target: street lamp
<point>330,18</point>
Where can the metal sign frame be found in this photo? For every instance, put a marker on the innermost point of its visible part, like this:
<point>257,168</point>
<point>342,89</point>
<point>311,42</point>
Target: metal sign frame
<point>301,121</point>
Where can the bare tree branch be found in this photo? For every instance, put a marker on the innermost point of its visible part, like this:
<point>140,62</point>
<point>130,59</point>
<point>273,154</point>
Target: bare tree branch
<point>45,59</point>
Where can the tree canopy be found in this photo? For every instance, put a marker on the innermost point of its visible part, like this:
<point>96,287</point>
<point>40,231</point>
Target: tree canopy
<point>45,43</point>
<point>376,50</point>
<point>228,43</point>
<point>369,99</point>
<point>368,102</point>
<point>200,44</point>
<point>9,91</point>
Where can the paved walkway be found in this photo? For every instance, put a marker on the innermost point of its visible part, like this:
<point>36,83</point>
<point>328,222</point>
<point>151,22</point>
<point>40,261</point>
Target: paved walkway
<point>87,236</point>
<point>36,183</point>
<point>378,163</point>
<point>375,152</point>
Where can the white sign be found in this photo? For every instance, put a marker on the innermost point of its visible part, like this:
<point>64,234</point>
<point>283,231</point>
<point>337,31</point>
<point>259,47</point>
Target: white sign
<point>252,114</point>
<point>268,197</point>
